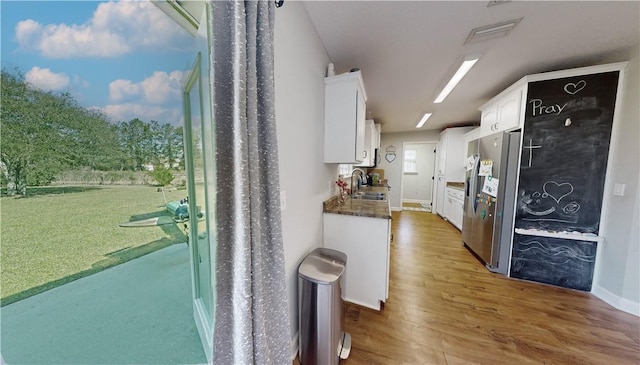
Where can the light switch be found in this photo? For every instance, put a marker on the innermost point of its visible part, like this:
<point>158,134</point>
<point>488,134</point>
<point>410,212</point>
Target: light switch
<point>618,189</point>
<point>283,200</point>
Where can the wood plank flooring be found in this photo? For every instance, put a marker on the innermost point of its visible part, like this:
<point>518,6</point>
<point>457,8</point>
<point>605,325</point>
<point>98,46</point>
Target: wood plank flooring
<point>444,307</point>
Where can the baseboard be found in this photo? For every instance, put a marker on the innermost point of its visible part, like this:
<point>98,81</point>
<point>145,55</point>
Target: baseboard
<point>396,209</point>
<point>294,345</point>
<point>418,201</point>
<point>362,304</point>
<point>616,301</point>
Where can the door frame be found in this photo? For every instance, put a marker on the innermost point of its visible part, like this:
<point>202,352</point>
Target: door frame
<point>435,155</point>
<point>189,15</point>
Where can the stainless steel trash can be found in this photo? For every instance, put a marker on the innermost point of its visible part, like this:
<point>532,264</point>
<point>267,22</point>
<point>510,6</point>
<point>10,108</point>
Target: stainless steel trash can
<point>322,340</point>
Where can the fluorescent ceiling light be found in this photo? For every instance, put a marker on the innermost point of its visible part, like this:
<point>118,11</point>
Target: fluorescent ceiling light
<point>424,119</point>
<point>464,68</point>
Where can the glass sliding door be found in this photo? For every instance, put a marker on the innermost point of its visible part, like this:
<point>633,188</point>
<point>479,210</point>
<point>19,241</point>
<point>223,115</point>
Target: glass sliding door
<point>200,171</point>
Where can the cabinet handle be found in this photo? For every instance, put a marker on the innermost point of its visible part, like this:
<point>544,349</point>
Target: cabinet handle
<point>365,154</point>
<point>391,240</point>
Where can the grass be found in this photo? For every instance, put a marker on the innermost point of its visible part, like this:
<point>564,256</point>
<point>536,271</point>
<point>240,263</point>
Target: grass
<point>56,235</point>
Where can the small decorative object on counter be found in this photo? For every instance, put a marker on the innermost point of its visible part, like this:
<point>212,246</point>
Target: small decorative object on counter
<point>343,190</point>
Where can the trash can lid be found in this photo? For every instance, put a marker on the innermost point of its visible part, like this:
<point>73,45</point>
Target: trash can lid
<point>323,266</point>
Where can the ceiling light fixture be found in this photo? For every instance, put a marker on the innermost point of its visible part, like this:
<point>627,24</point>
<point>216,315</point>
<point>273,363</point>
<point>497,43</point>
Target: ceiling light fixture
<point>462,70</point>
<point>424,119</point>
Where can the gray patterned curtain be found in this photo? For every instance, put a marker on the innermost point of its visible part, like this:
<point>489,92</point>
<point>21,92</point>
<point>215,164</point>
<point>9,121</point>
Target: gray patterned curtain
<point>251,314</point>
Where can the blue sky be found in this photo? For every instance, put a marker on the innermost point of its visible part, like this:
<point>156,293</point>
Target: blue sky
<point>126,58</point>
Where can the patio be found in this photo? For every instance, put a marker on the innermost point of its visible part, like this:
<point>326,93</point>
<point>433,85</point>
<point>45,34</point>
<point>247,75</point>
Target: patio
<point>139,312</point>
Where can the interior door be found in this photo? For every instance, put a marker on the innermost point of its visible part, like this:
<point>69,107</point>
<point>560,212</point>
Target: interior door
<point>200,171</point>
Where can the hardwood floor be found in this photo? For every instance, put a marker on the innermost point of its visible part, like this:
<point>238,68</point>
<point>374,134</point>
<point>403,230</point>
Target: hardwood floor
<point>444,307</point>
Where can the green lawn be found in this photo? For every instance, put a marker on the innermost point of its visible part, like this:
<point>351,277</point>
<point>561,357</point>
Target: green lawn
<point>59,234</point>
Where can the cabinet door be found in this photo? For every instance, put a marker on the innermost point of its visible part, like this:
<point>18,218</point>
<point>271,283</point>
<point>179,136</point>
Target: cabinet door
<point>503,115</point>
<point>488,120</point>
<point>440,195</point>
<point>361,153</point>
<point>458,206</point>
<point>369,144</point>
<point>442,153</point>
<point>448,208</point>
<point>344,110</point>
<point>509,111</point>
<point>364,241</point>
<point>454,155</point>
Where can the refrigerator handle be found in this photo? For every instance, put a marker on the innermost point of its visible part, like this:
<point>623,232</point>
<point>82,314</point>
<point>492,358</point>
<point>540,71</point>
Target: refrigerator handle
<point>474,184</point>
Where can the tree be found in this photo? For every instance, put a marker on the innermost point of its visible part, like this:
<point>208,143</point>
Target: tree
<point>151,143</point>
<point>171,145</point>
<point>44,133</point>
<point>162,175</point>
<point>31,142</point>
<point>136,140</point>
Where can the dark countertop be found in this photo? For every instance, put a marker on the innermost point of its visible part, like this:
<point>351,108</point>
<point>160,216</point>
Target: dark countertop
<point>360,207</point>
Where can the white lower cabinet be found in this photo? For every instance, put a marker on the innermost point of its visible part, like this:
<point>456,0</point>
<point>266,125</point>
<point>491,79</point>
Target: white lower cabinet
<point>453,207</point>
<point>365,241</point>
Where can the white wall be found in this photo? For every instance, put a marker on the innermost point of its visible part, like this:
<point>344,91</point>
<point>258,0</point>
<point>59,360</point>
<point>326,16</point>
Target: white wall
<point>300,67</point>
<point>618,275</point>
<point>393,170</point>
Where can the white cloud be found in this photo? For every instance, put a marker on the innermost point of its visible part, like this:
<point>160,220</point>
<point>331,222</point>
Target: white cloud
<point>162,87</point>
<point>27,33</point>
<point>45,79</point>
<point>115,29</point>
<point>159,88</point>
<point>123,89</point>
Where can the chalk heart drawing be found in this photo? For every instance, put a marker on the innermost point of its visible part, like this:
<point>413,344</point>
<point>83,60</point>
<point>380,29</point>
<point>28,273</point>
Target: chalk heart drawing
<point>556,191</point>
<point>573,89</point>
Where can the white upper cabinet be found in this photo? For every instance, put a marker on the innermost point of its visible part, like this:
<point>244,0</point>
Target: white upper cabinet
<point>502,113</point>
<point>344,119</point>
<point>451,151</point>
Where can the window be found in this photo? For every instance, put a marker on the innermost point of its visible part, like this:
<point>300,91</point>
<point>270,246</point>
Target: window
<point>410,163</point>
<point>344,169</point>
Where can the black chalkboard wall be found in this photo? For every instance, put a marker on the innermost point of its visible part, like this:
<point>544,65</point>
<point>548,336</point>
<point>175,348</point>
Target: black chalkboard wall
<point>567,130</point>
<point>555,261</point>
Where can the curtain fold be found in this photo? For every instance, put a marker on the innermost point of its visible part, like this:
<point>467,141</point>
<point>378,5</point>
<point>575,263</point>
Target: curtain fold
<point>251,315</point>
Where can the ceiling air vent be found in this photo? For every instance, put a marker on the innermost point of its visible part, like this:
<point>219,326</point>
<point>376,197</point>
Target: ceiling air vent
<point>491,31</point>
<point>497,2</point>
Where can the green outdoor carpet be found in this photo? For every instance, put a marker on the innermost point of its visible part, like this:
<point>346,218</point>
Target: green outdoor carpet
<point>139,312</point>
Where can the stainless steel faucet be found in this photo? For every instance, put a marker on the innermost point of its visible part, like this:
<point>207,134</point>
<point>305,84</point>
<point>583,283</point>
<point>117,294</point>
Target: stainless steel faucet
<point>362,176</point>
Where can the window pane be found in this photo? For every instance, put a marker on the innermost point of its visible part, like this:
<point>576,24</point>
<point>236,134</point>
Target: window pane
<point>410,164</point>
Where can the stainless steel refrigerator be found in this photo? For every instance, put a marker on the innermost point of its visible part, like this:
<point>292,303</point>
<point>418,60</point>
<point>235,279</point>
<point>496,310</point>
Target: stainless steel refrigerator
<point>490,195</point>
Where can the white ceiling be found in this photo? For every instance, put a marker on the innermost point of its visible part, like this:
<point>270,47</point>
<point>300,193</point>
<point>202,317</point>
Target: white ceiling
<point>407,51</point>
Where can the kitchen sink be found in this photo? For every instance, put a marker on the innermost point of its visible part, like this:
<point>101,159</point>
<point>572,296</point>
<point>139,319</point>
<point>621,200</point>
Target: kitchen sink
<point>368,195</point>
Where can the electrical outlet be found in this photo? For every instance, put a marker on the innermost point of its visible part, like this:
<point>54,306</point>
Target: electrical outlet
<point>283,200</point>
